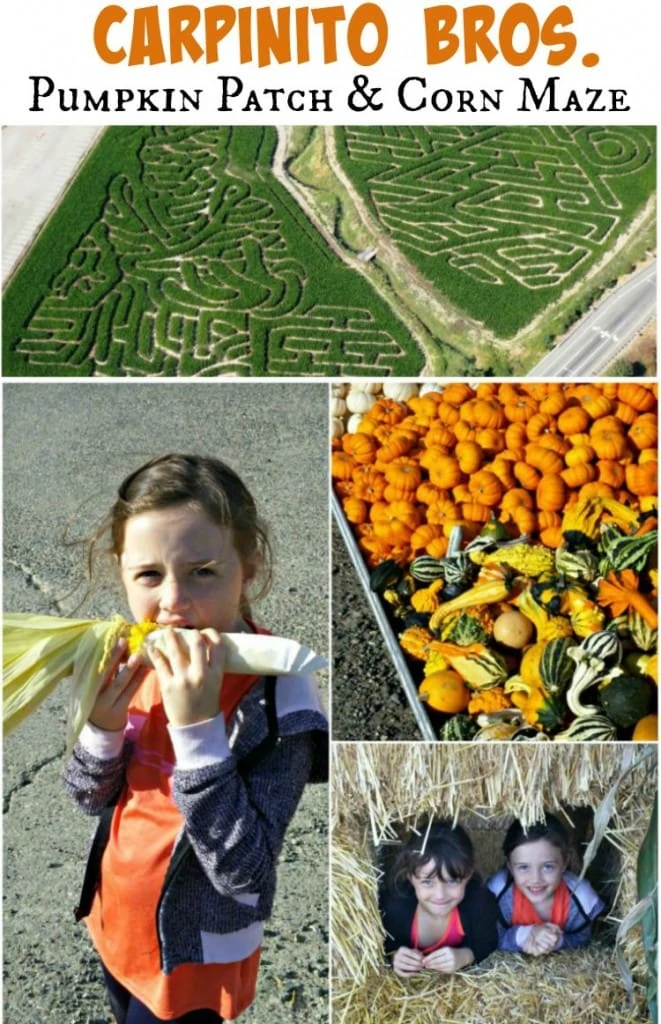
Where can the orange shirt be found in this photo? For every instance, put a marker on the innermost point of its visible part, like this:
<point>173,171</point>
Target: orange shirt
<point>144,827</point>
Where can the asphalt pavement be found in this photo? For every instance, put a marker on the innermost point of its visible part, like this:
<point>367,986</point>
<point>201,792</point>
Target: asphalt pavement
<point>66,448</point>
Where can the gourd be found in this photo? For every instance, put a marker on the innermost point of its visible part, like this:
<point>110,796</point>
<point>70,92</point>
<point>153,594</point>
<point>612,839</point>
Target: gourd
<point>513,629</point>
<point>444,691</point>
<point>458,728</point>
<point>626,699</point>
<point>386,575</point>
<point>466,628</point>
<point>426,569</point>
<point>594,728</point>
<point>359,401</point>
<point>582,564</point>
<point>400,391</point>
<point>555,667</point>
<point>604,645</point>
<point>646,730</point>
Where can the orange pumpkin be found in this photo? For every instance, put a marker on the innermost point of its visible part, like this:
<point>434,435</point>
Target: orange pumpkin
<point>404,473</point>
<point>527,475</point>
<point>485,488</point>
<point>424,535</point>
<point>607,438</point>
<point>551,492</point>
<point>342,465</point>
<point>644,431</point>
<point>544,459</point>
<point>469,455</point>
<point>445,472</point>
<point>355,510</point>
<point>574,420</point>
<point>361,446</point>
<point>639,396</point>
<point>642,480</point>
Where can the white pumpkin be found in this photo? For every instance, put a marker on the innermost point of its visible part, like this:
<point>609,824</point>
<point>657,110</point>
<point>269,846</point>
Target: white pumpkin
<point>338,406</point>
<point>399,390</point>
<point>339,390</point>
<point>354,422</point>
<point>360,401</point>
<point>337,426</point>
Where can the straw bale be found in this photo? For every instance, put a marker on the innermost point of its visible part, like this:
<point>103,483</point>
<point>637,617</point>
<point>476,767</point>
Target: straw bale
<point>380,790</point>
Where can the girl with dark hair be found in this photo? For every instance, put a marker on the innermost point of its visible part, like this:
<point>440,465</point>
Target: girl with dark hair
<point>437,914</point>
<point>542,906</point>
<point>195,772</point>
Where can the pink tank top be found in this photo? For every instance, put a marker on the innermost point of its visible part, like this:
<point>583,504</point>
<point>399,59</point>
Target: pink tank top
<point>452,936</point>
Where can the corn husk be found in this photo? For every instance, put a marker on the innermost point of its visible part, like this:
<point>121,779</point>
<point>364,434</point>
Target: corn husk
<point>39,651</point>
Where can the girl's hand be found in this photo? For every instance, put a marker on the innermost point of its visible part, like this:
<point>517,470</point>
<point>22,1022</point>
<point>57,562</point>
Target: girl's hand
<point>447,960</point>
<point>121,680</point>
<point>543,939</point>
<point>190,675</point>
<point>407,962</point>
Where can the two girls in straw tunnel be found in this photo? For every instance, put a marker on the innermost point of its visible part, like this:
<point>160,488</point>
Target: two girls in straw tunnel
<point>439,916</point>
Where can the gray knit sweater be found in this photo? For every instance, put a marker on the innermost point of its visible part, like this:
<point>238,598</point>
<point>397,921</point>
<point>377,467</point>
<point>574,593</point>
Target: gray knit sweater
<point>213,907</point>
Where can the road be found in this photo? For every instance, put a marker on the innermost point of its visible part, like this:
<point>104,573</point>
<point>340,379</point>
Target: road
<point>66,448</point>
<point>605,331</point>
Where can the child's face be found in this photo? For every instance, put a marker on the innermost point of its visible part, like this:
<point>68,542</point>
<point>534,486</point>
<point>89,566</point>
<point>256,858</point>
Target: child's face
<point>437,896</point>
<point>537,869</point>
<point>179,568</point>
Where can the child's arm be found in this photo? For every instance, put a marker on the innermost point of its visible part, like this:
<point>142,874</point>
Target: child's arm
<point>585,907</point>
<point>236,825</point>
<point>94,773</point>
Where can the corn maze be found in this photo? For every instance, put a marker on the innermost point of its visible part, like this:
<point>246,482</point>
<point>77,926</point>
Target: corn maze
<point>177,253</point>
<point>502,220</point>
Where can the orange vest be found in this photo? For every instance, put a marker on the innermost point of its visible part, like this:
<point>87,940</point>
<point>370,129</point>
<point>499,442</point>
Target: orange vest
<point>146,822</point>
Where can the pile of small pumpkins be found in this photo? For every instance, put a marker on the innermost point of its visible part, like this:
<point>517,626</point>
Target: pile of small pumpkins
<point>511,531</point>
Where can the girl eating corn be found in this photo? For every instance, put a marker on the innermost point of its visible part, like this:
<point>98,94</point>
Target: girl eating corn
<point>542,906</point>
<point>436,913</point>
<point>195,771</point>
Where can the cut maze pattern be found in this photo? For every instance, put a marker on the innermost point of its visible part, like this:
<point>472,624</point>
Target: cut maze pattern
<point>198,266</point>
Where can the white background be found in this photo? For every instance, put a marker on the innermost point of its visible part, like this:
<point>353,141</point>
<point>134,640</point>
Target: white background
<point>54,39</point>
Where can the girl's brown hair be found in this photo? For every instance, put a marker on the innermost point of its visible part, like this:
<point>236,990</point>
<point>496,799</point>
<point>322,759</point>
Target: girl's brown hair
<point>447,845</point>
<point>200,482</point>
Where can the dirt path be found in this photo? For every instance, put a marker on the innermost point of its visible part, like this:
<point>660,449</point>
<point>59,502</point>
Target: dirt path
<point>37,166</point>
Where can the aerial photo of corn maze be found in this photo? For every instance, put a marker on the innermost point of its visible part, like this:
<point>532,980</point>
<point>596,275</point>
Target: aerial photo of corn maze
<point>453,251</point>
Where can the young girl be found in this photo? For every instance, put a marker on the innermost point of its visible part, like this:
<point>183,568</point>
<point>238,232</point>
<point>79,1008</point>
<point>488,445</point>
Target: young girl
<point>196,772</point>
<point>437,914</point>
<point>542,906</point>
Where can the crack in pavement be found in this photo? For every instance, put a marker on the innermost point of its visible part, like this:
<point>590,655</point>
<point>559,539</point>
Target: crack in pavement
<point>27,778</point>
<point>35,583</point>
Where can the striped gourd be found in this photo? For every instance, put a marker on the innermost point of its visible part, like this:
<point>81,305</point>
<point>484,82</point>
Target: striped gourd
<point>480,670</point>
<point>577,565</point>
<point>459,727</point>
<point>627,552</point>
<point>589,729</point>
<point>555,667</point>
<point>426,569</point>
<point>604,645</point>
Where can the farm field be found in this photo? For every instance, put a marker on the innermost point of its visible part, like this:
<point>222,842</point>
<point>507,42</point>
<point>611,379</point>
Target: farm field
<point>330,251</point>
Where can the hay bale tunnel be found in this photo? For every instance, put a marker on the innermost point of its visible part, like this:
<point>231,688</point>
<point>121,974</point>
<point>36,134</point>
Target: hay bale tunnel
<point>382,790</point>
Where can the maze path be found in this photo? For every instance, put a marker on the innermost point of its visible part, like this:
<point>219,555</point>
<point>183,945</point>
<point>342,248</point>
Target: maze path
<point>505,208</point>
<point>198,266</point>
